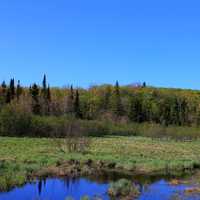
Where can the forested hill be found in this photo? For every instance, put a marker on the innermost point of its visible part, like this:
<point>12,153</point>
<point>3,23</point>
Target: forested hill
<point>133,103</point>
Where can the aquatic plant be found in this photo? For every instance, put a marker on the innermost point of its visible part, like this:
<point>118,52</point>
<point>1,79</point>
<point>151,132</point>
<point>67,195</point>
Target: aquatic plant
<point>85,198</point>
<point>121,188</point>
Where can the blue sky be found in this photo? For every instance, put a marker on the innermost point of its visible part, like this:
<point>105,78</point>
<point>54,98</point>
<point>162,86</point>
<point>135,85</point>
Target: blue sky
<point>86,42</point>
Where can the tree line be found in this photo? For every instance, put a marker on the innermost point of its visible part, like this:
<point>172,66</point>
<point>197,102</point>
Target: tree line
<point>132,103</point>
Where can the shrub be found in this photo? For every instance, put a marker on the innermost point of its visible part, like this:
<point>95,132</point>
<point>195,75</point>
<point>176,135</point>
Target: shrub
<point>121,188</point>
<point>75,139</point>
<point>15,121</point>
<point>95,128</point>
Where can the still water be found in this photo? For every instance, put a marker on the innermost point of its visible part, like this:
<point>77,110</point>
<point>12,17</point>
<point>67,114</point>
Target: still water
<point>60,189</point>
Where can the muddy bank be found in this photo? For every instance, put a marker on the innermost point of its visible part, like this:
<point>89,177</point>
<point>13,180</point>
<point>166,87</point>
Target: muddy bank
<point>109,171</point>
<point>74,168</point>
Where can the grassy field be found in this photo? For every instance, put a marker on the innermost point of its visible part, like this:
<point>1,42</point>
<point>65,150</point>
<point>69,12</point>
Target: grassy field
<point>21,156</point>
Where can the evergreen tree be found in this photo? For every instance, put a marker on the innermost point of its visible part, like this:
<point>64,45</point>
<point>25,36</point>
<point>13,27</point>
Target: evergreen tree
<point>117,104</point>
<point>144,84</point>
<point>19,90</point>
<point>44,87</point>
<point>12,88</point>
<point>46,96</point>
<point>44,83</point>
<point>34,90</point>
<point>71,100</point>
<point>77,110</point>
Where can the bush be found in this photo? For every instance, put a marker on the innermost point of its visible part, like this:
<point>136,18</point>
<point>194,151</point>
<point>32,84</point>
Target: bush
<point>123,129</point>
<point>122,188</point>
<point>46,126</point>
<point>15,121</point>
<point>95,128</point>
<point>179,133</point>
<point>75,139</point>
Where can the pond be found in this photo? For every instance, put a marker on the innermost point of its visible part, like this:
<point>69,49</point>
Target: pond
<point>60,189</point>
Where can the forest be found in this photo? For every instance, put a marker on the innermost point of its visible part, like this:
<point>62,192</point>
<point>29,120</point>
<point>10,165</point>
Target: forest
<point>45,111</point>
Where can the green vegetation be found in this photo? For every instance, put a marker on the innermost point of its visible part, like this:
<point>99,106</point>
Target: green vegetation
<point>20,157</point>
<point>53,125</point>
<point>42,111</point>
<point>123,188</point>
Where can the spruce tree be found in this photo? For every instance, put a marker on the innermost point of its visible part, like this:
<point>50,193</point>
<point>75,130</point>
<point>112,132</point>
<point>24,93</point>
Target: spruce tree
<point>44,83</point>
<point>46,96</point>
<point>144,84</point>
<point>19,90</point>
<point>77,110</point>
<point>117,104</point>
<point>34,90</point>
<point>71,100</point>
<point>12,88</point>
<point>44,87</point>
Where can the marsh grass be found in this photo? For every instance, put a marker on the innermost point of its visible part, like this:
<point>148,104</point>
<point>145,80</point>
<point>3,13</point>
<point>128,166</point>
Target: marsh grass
<point>20,157</point>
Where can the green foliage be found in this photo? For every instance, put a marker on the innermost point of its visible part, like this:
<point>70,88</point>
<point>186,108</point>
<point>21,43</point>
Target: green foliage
<point>34,91</point>
<point>77,110</point>
<point>135,111</point>
<point>14,121</point>
<point>19,90</point>
<point>117,103</point>
<point>104,109</point>
<point>121,188</point>
<point>48,126</point>
<point>12,88</point>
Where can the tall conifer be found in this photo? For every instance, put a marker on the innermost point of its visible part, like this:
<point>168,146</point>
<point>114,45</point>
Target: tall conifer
<point>12,88</point>
<point>19,90</point>
<point>77,105</point>
<point>34,90</point>
<point>117,104</point>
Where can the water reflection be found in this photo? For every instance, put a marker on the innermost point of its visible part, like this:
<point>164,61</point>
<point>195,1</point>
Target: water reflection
<point>59,189</point>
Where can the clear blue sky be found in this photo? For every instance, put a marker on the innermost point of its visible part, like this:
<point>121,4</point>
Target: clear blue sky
<point>99,41</point>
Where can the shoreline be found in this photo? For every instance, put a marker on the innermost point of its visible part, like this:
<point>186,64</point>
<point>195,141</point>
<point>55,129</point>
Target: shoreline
<point>23,159</point>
